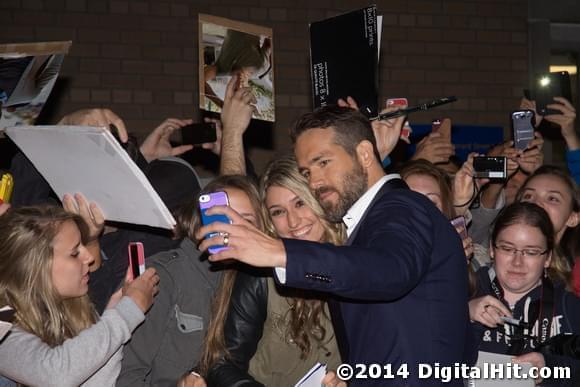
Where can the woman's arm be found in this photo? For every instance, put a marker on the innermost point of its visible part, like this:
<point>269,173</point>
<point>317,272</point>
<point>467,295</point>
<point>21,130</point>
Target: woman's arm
<point>25,358</point>
<point>243,329</point>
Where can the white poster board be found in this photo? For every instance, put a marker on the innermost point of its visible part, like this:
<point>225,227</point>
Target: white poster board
<point>89,160</point>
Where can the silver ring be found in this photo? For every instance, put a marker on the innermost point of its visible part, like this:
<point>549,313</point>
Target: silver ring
<point>226,241</point>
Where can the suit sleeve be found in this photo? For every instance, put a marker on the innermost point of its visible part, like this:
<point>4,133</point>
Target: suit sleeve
<point>392,254</point>
<point>243,330</point>
<point>140,352</point>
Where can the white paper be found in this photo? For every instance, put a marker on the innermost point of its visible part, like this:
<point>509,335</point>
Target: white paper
<point>89,160</point>
<point>313,377</point>
<point>495,358</point>
<point>4,325</point>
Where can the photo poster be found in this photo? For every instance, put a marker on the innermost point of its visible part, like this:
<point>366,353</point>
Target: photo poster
<point>228,47</point>
<point>28,72</point>
<point>344,59</point>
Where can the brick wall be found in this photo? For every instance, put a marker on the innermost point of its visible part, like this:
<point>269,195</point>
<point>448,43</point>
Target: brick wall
<point>139,58</point>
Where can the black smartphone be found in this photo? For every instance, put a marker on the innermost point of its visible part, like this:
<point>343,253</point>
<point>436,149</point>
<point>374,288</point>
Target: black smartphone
<point>522,128</point>
<point>548,86</point>
<point>486,167</point>
<point>199,133</point>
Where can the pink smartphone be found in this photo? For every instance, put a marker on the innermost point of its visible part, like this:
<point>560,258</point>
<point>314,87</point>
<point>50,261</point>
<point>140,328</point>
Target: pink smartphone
<point>136,259</point>
<point>403,103</point>
<point>206,202</point>
<point>459,222</point>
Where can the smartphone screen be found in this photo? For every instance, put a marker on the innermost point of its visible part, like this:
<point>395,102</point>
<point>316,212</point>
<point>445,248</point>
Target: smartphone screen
<point>200,133</point>
<point>523,128</point>
<point>548,86</point>
<point>208,201</point>
<point>136,259</point>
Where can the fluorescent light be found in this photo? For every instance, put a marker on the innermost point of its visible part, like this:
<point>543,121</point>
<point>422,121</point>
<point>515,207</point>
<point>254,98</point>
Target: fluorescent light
<point>571,69</point>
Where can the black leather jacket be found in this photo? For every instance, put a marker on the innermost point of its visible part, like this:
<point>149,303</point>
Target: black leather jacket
<point>243,328</point>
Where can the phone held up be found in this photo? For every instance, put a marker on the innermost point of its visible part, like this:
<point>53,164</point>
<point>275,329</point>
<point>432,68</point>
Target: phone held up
<point>523,128</point>
<point>206,202</point>
<point>136,259</point>
<point>459,223</point>
<point>200,133</point>
<point>486,167</point>
<point>548,86</point>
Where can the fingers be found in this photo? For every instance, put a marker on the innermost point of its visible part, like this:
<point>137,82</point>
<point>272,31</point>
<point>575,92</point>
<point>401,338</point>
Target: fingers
<point>566,103</point>
<point>181,149</point>
<point>352,103</point>
<point>231,87</point>
<point>114,119</point>
<point>97,214</point>
<point>69,204</point>
<point>3,208</point>
<point>349,103</point>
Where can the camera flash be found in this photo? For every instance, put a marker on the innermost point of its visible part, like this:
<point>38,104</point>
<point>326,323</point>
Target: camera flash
<point>544,81</point>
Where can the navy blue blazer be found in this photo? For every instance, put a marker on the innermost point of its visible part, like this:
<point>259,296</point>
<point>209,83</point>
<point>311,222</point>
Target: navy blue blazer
<point>402,283</point>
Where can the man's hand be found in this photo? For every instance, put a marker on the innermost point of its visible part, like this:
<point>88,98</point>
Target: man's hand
<point>434,148</point>
<point>331,380</point>
<point>245,242</point>
<point>97,117</point>
<point>238,109</point>
<point>157,144</point>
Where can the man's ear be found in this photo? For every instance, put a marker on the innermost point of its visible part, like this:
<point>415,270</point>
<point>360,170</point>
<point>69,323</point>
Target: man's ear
<point>365,154</point>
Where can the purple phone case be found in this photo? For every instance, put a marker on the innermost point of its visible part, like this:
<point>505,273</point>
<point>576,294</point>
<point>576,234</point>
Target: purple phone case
<point>215,199</point>
<point>460,222</point>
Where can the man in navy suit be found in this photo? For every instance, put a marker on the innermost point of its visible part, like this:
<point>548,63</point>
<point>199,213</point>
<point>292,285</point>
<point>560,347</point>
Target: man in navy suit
<point>401,279</point>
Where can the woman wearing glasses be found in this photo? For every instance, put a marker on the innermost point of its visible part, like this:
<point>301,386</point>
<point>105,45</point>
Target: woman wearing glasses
<point>521,303</point>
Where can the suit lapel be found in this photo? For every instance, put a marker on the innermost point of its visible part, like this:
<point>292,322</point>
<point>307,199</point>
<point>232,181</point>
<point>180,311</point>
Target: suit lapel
<point>390,185</point>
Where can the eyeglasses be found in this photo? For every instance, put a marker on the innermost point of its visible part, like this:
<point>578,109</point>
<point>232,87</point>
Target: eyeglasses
<point>508,250</point>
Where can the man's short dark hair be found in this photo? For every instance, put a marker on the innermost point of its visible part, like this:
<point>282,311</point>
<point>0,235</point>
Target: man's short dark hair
<point>350,126</point>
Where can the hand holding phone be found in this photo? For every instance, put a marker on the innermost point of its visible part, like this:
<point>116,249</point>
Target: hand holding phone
<point>523,128</point>
<point>490,167</point>
<point>460,226</point>
<point>136,259</point>
<point>199,133</point>
<point>548,86</point>
<point>206,202</point>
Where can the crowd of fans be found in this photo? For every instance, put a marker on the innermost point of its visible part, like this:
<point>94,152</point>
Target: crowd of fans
<point>81,319</point>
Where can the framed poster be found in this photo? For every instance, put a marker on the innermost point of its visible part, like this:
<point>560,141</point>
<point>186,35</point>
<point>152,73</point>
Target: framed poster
<point>227,48</point>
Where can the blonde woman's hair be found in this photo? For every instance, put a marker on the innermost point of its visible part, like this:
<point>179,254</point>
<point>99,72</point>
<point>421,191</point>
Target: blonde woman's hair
<point>26,257</point>
<point>306,313</point>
